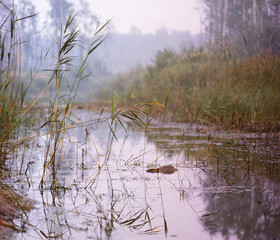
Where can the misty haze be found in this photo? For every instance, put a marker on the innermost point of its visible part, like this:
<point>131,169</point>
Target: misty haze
<point>140,119</point>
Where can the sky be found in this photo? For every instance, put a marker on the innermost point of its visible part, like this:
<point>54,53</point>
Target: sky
<point>146,15</point>
<point>150,15</point>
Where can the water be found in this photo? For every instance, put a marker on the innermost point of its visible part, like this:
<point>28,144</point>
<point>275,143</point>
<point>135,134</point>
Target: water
<point>226,186</point>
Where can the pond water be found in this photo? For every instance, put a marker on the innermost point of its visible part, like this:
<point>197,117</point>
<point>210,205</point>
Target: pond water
<point>226,185</point>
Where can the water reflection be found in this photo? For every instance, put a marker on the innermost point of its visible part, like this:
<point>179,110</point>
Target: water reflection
<point>240,181</point>
<point>226,186</point>
<point>248,206</point>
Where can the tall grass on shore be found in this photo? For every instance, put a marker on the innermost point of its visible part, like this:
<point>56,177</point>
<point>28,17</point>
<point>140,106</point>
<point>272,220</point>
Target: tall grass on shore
<point>14,109</point>
<point>216,87</point>
<point>12,91</point>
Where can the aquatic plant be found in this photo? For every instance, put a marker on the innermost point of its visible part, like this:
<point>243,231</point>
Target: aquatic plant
<point>13,107</point>
<point>53,121</point>
<point>213,85</point>
<point>12,92</point>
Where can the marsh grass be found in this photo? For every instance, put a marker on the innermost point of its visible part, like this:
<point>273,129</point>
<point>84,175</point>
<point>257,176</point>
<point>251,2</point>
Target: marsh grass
<point>14,110</point>
<point>214,86</point>
<point>52,102</point>
<point>11,93</point>
<point>51,120</point>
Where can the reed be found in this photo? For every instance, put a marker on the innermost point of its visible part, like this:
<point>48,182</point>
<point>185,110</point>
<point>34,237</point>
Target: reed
<point>12,90</point>
<point>54,102</point>
<point>56,127</point>
<point>14,109</point>
<point>214,86</point>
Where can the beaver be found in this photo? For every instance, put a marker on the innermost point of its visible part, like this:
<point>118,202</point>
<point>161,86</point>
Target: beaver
<point>166,169</point>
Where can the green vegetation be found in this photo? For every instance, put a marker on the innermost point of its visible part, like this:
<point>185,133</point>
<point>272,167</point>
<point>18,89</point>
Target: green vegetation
<point>15,108</point>
<point>12,92</point>
<point>213,86</point>
<point>233,81</point>
<point>50,108</point>
<point>50,111</point>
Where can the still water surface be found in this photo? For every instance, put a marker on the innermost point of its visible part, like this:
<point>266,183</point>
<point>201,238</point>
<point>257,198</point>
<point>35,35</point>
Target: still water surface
<point>226,186</point>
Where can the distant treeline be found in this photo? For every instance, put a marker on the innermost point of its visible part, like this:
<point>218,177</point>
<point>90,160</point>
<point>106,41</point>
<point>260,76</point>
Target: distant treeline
<point>40,38</point>
<point>122,52</point>
<point>249,26</point>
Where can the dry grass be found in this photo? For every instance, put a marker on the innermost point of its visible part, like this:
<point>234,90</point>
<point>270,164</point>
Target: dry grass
<point>215,87</point>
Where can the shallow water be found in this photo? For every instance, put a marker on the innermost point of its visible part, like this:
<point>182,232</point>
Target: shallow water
<point>226,186</point>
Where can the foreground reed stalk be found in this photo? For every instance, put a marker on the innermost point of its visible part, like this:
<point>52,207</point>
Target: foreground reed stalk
<point>12,114</point>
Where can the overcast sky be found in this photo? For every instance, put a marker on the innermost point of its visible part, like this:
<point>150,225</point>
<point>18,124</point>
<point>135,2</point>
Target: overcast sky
<point>147,15</point>
<point>150,15</point>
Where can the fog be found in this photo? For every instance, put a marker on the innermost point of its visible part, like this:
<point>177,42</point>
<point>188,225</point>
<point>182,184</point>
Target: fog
<point>147,16</point>
<point>137,30</point>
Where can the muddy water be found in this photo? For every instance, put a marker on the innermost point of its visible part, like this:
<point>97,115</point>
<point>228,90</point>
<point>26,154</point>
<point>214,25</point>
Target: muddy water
<point>226,185</point>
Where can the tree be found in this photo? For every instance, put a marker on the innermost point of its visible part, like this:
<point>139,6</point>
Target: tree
<point>59,12</point>
<point>252,23</point>
<point>87,19</point>
<point>29,35</point>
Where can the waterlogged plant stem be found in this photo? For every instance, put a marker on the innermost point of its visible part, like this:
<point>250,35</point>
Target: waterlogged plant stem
<point>68,41</point>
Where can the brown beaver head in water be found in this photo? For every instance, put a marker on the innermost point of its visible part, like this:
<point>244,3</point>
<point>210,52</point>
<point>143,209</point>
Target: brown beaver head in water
<point>166,169</point>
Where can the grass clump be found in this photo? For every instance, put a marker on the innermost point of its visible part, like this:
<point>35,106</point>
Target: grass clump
<point>54,103</point>
<point>212,86</point>
<point>12,90</point>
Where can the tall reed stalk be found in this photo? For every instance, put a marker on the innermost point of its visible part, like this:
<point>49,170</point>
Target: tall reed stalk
<point>12,91</point>
<point>60,117</point>
<point>14,109</point>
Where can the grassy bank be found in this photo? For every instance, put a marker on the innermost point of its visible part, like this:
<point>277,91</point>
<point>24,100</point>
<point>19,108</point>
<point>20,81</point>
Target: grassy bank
<point>217,87</point>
